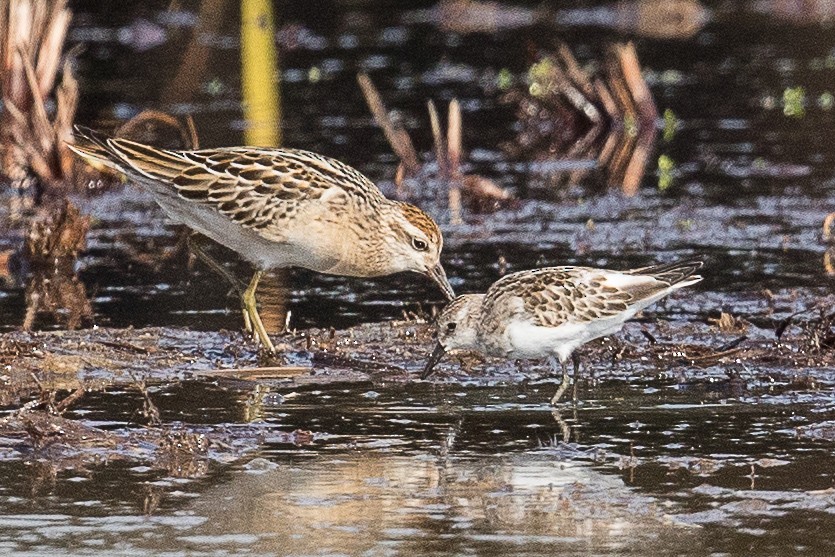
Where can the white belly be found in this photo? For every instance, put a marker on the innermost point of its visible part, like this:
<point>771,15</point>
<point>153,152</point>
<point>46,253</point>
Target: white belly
<point>262,253</point>
<point>525,340</point>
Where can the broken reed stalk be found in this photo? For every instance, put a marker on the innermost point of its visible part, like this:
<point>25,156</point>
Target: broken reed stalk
<point>150,118</point>
<point>636,84</point>
<point>646,114</point>
<point>454,161</point>
<point>438,140</point>
<point>826,233</point>
<point>573,70</point>
<point>32,138</point>
<point>448,154</point>
<point>397,137</point>
<point>266,372</point>
<point>478,190</point>
<point>628,120</point>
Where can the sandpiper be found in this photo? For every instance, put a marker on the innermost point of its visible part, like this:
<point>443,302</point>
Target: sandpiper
<point>280,208</point>
<point>550,312</point>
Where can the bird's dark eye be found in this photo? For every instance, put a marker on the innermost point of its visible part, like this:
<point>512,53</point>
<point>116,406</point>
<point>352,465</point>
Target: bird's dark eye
<point>419,244</point>
<point>450,326</point>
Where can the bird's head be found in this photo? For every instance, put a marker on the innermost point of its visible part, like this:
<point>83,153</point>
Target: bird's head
<point>415,245</point>
<point>455,328</point>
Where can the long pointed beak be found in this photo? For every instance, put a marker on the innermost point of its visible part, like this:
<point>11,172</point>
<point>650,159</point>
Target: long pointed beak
<point>433,360</point>
<point>438,275</point>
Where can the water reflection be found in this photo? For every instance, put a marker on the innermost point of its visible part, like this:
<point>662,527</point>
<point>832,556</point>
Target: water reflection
<point>354,504</point>
<point>452,471</point>
<point>662,19</point>
<point>374,477</point>
<point>373,503</point>
<point>55,237</point>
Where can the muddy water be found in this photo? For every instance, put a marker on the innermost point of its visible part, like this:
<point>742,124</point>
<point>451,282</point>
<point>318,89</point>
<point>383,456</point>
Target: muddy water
<point>652,462</point>
<point>430,470</point>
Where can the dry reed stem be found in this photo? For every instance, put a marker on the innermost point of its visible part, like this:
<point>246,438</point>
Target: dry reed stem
<point>32,34</point>
<point>828,221</point>
<point>397,137</point>
<point>447,152</point>
<point>438,140</point>
<point>149,117</point>
<point>266,372</point>
<point>453,138</point>
<point>637,85</point>
<point>574,94</point>
<point>606,99</point>
<point>454,161</point>
<point>573,70</point>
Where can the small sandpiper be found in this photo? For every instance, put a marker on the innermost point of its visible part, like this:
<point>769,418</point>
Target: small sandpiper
<point>551,312</point>
<point>280,208</point>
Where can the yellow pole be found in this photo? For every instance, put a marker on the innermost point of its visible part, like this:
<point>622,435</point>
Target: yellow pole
<point>261,90</point>
<point>259,74</point>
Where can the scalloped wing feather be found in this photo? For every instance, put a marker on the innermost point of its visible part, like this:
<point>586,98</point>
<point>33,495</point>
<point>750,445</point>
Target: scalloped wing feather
<point>255,188</point>
<point>553,296</point>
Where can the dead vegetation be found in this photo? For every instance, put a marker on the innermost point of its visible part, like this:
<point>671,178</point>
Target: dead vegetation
<point>567,113</point>
<point>442,179</point>
<point>819,333</point>
<point>370,353</point>
<point>47,374</point>
<point>60,443</point>
<point>39,95</point>
<point>56,235</point>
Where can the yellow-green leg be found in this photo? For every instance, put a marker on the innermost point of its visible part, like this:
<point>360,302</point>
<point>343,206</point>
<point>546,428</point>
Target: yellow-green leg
<point>211,262</point>
<point>575,358</point>
<point>250,310</point>
<point>202,255</point>
<point>252,321</point>
<point>563,386</point>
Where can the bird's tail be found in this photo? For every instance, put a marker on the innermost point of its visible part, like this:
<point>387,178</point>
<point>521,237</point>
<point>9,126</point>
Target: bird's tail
<point>92,146</point>
<point>679,273</point>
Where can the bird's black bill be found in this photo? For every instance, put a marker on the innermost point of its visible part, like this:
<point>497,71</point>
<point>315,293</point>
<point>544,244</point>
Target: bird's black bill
<point>433,360</point>
<point>438,275</point>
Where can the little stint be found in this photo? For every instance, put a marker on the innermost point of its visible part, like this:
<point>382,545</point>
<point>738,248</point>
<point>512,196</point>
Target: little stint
<point>551,312</point>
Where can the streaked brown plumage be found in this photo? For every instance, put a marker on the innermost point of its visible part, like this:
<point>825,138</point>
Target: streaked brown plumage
<point>552,311</point>
<point>280,208</point>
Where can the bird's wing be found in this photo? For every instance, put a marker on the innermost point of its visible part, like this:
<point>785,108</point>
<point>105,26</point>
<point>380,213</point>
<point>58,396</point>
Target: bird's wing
<point>253,187</point>
<point>552,296</point>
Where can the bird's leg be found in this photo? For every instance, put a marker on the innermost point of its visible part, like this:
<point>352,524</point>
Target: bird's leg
<point>212,263</point>
<point>575,358</point>
<point>564,385</point>
<point>251,312</point>
<point>564,428</point>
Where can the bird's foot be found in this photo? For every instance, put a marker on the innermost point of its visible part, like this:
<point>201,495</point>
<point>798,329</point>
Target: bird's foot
<point>252,320</point>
